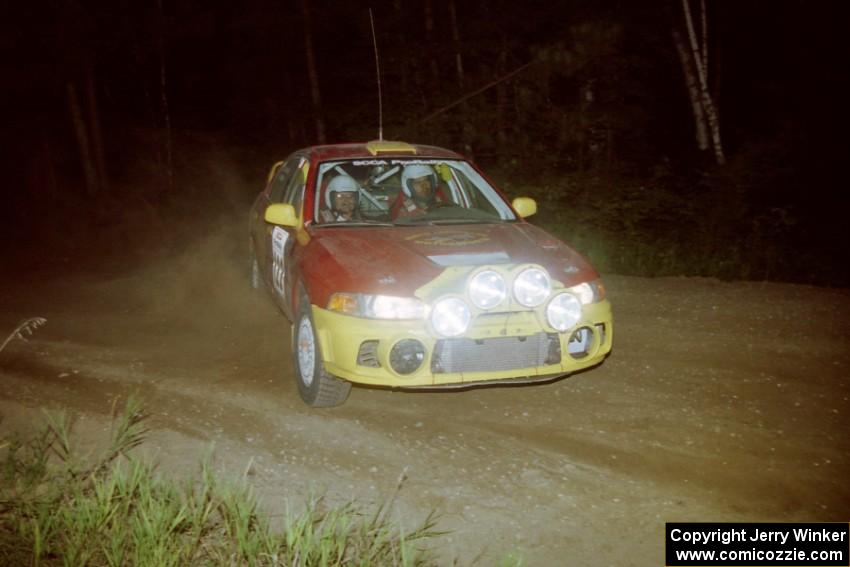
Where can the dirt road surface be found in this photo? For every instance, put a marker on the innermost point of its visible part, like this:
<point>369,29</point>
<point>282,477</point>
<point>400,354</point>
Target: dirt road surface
<point>721,402</point>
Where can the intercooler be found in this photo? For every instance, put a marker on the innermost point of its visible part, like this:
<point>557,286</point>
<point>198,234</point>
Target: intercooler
<point>492,355</point>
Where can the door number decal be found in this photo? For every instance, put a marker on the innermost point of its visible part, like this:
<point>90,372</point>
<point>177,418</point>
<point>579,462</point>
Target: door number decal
<point>279,238</point>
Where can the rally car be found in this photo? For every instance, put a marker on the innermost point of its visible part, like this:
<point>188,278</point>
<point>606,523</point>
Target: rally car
<point>403,266</point>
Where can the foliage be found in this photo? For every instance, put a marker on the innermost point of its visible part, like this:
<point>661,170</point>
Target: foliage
<point>56,508</point>
<point>673,225</point>
<point>24,329</point>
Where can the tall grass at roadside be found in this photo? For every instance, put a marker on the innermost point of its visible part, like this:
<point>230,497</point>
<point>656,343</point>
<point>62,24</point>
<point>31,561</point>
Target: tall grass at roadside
<point>114,509</point>
<point>24,329</point>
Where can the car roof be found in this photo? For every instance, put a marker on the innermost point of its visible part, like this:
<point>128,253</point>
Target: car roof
<point>377,149</point>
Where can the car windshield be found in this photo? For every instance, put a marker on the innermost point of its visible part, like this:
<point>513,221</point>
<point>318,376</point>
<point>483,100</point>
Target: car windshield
<point>362,192</point>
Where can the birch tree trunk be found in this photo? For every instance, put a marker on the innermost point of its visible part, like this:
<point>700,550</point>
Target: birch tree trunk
<point>312,73</point>
<point>699,56</point>
<point>692,83</point>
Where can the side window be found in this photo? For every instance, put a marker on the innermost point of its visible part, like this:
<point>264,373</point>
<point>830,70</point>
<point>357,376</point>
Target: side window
<point>281,180</point>
<point>474,196</point>
<point>295,187</point>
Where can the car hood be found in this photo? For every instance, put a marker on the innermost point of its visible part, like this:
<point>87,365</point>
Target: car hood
<point>399,260</point>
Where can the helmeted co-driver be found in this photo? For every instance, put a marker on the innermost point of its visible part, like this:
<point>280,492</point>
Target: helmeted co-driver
<point>341,198</point>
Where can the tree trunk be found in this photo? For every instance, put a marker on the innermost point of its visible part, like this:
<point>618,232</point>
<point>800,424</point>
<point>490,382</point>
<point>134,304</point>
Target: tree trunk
<point>313,75</point>
<point>700,57</point>
<point>430,43</point>
<point>94,129</point>
<point>717,73</point>
<point>691,81</point>
<point>86,159</point>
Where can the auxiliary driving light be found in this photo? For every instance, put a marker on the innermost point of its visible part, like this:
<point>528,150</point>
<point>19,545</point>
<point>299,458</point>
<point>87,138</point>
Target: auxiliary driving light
<point>407,356</point>
<point>487,289</point>
<point>563,311</point>
<point>450,317</point>
<point>532,287</point>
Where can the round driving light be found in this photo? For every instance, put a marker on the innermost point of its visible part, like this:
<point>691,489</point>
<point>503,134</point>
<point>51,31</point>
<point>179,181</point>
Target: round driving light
<point>563,311</point>
<point>487,289</point>
<point>450,317</point>
<point>406,356</point>
<point>532,287</point>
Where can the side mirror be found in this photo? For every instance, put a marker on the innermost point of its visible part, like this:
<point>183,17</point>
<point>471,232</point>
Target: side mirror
<point>281,214</point>
<point>525,206</point>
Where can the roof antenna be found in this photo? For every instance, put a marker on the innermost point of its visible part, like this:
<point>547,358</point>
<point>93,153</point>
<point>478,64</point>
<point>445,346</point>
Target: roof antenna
<point>378,72</point>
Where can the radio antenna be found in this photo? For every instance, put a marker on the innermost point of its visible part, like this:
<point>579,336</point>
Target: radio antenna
<point>378,72</point>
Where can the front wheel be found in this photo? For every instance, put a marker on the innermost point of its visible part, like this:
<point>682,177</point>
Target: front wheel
<point>316,387</point>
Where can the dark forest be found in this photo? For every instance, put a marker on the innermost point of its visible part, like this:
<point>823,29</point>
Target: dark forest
<point>123,116</point>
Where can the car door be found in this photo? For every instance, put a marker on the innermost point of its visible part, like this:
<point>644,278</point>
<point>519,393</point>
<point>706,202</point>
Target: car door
<point>282,241</point>
<point>294,196</point>
<point>261,231</point>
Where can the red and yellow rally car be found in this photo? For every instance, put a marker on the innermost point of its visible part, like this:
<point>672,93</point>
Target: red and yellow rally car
<point>401,265</point>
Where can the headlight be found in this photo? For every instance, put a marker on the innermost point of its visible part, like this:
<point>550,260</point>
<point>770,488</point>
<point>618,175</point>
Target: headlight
<point>589,292</point>
<point>389,307</point>
<point>377,306</point>
<point>450,317</point>
<point>487,289</point>
<point>563,311</point>
<point>532,287</point>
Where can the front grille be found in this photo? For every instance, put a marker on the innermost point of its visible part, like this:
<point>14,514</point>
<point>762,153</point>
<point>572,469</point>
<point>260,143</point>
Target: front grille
<point>368,354</point>
<point>492,355</point>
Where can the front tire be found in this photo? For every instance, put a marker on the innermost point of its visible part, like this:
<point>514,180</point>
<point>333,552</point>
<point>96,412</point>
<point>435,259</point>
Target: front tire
<point>316,387</point>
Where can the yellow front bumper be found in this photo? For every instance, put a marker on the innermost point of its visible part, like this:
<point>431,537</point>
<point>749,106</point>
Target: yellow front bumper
<point>341,336</point>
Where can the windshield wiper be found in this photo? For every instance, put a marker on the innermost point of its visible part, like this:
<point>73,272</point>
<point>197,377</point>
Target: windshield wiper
<point>350,224</point>
<point>437,222</point>
<point>464,221</point>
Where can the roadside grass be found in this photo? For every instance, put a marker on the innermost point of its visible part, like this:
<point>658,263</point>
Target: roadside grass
<point>23,330</point>
<point>114,509</point>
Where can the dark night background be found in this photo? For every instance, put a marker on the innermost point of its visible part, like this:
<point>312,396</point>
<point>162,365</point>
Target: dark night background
<point>186,104</point>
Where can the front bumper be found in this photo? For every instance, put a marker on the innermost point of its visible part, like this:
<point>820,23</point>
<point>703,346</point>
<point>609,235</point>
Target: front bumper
<point>512,346</point>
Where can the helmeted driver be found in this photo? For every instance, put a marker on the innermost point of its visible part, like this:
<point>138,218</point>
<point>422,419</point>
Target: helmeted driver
<point>419,185</point>
<point>341,198</point>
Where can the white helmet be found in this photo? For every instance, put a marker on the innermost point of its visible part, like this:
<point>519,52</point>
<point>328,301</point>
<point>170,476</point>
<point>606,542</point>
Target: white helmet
<point>412,172</point>
<point>340,184</point>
